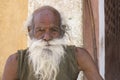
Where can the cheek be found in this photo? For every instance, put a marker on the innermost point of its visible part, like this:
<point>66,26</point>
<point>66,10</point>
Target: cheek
<point>31,35</point>
<point>55,35</point>
<point>38,35</point>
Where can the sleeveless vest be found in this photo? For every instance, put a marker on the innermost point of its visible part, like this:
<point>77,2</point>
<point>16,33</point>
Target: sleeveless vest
<point>68,68</point>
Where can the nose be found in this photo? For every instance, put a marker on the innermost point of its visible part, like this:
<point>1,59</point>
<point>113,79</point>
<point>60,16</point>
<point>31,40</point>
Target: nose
<point>47,37</point>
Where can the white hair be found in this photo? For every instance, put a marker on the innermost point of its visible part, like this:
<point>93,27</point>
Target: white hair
<point>46,59</point>
<point>29,21</point>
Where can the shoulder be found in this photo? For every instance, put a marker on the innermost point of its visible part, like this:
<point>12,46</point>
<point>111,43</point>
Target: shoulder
<point>83,58</point>
<point>10,70</point>
<point>12,59</point>
<point>81,52</point>
<point>11,67</point>
<point>87,64</point>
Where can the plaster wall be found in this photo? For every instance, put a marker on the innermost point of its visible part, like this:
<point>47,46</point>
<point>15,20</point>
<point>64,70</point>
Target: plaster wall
<point>71,12</point>
<point>12,35</point>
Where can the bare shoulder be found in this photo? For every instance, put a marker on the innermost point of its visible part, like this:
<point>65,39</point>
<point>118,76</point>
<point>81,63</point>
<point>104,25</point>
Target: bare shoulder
<point>81,52</point>
<point>83,57</point>
<point>10,70</point>
<point>87,64</point>
<point>12,59</point>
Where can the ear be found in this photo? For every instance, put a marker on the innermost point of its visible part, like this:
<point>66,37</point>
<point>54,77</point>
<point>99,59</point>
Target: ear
<point>28,29</point>
<point>30,32</point>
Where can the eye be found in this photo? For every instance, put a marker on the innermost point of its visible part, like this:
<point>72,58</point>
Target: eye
<point>55,29</point>
<point>40,30</point>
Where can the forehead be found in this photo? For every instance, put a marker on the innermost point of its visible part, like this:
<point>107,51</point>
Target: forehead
<point>46,17</point>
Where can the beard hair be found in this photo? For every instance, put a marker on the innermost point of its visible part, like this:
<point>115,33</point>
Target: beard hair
<point>46,59</point>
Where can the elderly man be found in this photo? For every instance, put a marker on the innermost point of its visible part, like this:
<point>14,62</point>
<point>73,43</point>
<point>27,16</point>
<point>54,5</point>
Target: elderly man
<point>49,57</point>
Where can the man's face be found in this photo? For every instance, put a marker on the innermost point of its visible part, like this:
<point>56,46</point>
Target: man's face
<point>46,25</point>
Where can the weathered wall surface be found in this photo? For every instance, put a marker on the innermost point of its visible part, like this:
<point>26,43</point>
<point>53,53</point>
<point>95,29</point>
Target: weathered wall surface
<point>12,36</point>
<point>71,11</point>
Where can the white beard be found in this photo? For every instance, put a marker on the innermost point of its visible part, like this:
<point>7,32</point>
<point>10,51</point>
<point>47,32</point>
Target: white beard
<point>46,59</point>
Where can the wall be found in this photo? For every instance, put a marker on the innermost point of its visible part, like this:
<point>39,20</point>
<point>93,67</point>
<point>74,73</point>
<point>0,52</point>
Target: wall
<point>71,12</point>
<point>12,35</point>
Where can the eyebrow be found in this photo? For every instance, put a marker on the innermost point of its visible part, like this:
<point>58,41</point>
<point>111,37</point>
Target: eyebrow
<point>54,25</point>
<point>38,27</point>
<point>55,28</point>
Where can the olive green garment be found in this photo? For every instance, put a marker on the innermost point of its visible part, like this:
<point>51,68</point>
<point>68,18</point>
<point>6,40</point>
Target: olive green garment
<point>68,68</point>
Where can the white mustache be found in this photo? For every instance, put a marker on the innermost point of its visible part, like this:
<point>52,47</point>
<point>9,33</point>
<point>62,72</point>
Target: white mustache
<point>53,42</point>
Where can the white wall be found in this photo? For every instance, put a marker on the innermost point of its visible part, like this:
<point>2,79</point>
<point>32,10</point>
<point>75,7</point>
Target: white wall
<point>71,11</point>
